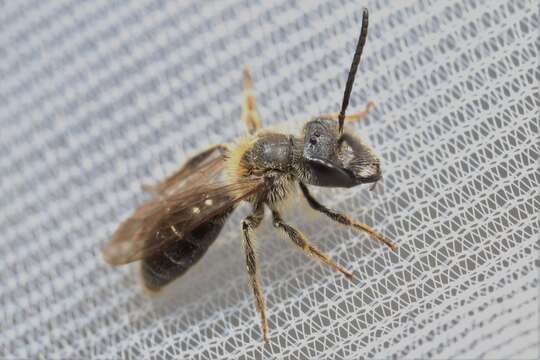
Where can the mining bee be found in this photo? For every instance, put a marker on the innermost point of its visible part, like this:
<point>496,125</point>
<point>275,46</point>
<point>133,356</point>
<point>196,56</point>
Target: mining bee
<point>174,229</point>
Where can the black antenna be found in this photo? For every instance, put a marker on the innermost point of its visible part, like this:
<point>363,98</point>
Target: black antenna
<point>354,68</point>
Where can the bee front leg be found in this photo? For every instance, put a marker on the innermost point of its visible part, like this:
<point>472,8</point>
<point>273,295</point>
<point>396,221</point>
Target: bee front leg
<point>343,219</point>
<point>248,225</point>
<point>299,240</point>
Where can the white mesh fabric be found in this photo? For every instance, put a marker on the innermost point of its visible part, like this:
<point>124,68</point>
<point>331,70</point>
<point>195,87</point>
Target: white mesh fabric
<point>98,97</point>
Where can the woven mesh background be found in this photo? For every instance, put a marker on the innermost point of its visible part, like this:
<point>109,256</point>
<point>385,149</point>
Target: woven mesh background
<point>97,97</point>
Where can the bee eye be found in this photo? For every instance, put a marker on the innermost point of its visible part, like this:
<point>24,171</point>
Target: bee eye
<point>313,139</point>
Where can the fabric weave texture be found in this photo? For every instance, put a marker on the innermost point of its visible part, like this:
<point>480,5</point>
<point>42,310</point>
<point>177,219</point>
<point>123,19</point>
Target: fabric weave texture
<point>99,97</point>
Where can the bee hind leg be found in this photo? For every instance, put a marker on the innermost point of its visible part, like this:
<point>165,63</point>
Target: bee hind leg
<point>248,225</point>
<point>250,117</point>
<point>344,219</point>
<point>299,240</point>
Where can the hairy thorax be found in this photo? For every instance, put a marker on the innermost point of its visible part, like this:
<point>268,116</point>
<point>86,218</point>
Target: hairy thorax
<point>265,153</point>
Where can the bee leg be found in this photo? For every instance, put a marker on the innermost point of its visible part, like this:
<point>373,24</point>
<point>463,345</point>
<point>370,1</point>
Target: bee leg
<point>249,111</point>
<point>248,225</point>
<point>352,117</point>
<point>185,170</point>
<point>299,240</point>
<point>344,219</point>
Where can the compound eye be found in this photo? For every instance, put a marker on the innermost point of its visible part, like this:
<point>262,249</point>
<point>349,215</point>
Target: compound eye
<point>313,138</point>
<point>320,140</point>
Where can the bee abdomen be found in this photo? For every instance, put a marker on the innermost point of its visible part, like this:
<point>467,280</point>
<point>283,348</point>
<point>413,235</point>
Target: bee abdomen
<point>160,269</point>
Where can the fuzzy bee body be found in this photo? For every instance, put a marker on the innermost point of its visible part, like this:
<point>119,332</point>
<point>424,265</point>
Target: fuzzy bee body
<point>174,229</point>
<point>266,152</point>
<point>269,152</point>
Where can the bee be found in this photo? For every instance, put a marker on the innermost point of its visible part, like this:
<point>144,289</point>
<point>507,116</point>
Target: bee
<point>174,229</point>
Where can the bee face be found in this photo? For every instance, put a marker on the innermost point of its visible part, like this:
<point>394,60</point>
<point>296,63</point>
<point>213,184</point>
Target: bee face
<point>358,158</point>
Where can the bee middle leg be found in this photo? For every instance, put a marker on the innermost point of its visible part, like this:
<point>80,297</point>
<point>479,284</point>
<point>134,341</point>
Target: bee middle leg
<point>343,219</point>
<point>248,225</point>
<point>299,240</point>
<point>249,112</point>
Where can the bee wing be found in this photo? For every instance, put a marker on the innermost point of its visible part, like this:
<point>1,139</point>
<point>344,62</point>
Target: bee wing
<point>200,168</point>
<point>162,220</point>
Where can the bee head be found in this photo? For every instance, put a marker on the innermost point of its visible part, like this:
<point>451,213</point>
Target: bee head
<point>335,159</point>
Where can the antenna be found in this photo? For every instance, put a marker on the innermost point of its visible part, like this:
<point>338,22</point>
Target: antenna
<point>354,67</point>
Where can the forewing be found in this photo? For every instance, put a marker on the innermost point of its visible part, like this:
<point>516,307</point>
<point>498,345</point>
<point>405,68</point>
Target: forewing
<point>205,170</point>
<point>165,219</point>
